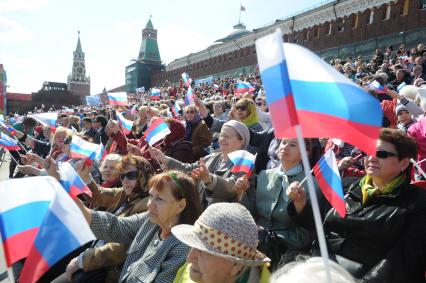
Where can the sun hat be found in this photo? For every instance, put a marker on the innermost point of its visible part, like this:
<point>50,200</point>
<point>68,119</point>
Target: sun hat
<point>226,230</point>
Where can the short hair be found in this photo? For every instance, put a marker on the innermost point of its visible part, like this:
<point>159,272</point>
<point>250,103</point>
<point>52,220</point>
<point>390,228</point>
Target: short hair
<point>182,187</point>
<point>101,119</point>
<point>311,271</point>
<point>405,146</point>
<point>87,119</point>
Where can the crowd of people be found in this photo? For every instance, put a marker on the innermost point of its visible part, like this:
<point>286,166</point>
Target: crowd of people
<point>176,212</point>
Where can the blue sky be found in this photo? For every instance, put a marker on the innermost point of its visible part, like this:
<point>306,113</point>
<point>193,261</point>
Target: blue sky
<point>37,37</point>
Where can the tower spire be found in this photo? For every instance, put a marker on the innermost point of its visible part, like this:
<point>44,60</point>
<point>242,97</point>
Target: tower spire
<point>78,48</point>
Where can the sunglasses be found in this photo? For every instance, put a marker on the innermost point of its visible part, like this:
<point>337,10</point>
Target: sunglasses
<point>132,175</point>
<point>190,112</point>
<point>260,103</point>
<point>241,108</point>
<point>385,154</point>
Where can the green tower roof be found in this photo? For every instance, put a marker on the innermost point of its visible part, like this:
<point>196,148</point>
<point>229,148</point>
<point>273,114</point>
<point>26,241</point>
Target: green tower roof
<point>149,24</point>
<point>78,48</point>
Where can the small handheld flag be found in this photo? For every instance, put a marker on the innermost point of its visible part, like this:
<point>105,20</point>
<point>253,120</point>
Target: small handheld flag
<point>244,87</point>
<point>117,98</point>
<point>186,79</point>
<point>155,94</point>
<point>157,131</point>
<point>379,88</point>
<point>71,181</point>
<point>8,143</point>
<point>100,153</point>
<point>328,177</point>
<point>82,149</point>
<point>243,161</point>
<point>189,97</point>
<point>41,223</point>
<point>47,119</point>
<point>93,100</point>
<point>126,125</point>
<point>9,129</point>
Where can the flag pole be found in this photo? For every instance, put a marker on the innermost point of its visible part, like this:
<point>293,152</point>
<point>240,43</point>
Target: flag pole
<point>307,169</point>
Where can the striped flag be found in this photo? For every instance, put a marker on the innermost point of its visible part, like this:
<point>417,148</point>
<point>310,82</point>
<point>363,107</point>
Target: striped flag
<point>47,119</point>
<point>243,161</point>
<point>401,86</point>
<point>155,94</point>
<point>100,153</point>
<point>379,88</point>
<point>327,174</point>
<point>125,125</point>
<point>186,79</point>
<point>244,87</point>
<point>176,108</point>
<point>41,223</point>
<point>117,98</point>
<point>157,131</point>
<point>82,149</point>
<point>71,181</point>
<point>9,129</point>
<point>189,97</point>
<point>8,143</point>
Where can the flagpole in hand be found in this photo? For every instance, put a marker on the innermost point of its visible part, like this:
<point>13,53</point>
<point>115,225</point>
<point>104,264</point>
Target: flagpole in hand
<point>279,95</point>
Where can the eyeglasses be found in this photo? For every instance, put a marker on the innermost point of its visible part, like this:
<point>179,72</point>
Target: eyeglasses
<point>132,175</point>
<point>260,103</point>
<point>385,154</point>
<point>190,112</point>
<point>241,108</point>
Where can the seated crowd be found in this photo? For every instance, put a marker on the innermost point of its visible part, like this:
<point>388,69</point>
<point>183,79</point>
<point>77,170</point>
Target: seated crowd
<point>176,212</point>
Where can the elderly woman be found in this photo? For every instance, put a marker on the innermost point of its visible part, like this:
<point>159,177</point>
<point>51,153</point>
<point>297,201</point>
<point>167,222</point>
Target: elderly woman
<point>196,131</point>
<point>269,208</point>
<point>223,247</point>
<point>216,181</point>
<point>382,237</point>
<point>110,171</point>
<point>155,254</point>
<point>102,262</point>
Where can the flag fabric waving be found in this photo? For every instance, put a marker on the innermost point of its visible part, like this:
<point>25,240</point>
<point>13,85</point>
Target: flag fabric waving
<point>326,103</point>
<point>126,125</point>
<point>71,181</point>
<point>100,153</point>
<point>401,86</point>
<point>117,98</point>
<point>9,129</point>
<point>47,119</point>
<point>176,108</point>
<point>379,88</point>
<point>39,221</point>
<point>243,161</point>
<point>157,131</point>
<point>155,94</point>
<point>327,174</point>
<point>83,149</point>
<point>244,87</point>
<point>8,143</point>
<point>189,97</point>
<point>186,79</point>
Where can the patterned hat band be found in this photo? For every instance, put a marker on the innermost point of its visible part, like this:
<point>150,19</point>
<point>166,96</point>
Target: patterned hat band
<point>223,243</point>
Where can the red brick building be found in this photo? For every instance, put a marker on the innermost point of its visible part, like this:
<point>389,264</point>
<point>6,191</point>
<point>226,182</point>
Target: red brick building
<point>336,29</point>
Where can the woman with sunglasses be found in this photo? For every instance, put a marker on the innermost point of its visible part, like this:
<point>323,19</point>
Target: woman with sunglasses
<point>155,255</point>
<point>197,132</point>
<point>382,238</point>
<point>245,111</point>
<point>102,262</point>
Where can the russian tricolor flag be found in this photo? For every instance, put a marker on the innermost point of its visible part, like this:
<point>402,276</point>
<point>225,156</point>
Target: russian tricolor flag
<point>71,181</point>
<point>176,108</point>
<point>100,153</point>
<point>8,143</point>
<point>186,79</point>
<point>47,119</point>
<point>379,88</point>
<point>244,87</point>
<point>39,222</point>
<point>327,174</point>
<point>83,149</point>
<point>189,97</point>
<point>117,98</point>
<point>155,94</point>
<point>157,131</point>
<point>326,103</point>
<point>243,161</point>
<point>11,130</point>
<point>125,124</point>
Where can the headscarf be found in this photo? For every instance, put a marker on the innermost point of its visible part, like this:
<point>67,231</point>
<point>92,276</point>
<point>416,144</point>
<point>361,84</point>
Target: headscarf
<point>241,129</point>
<point>190,125</point>
<point>252,118</point>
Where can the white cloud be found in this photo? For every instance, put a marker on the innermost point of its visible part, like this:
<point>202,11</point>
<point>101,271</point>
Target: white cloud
<point>21,5</point>
<point>12,31</point>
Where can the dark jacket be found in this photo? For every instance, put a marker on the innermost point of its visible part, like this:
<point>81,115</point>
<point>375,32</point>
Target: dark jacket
<point>387,235</point>
<point>101,135</point>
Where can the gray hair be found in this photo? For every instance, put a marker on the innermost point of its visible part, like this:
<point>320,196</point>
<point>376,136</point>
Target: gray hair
<point>311,271</point>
